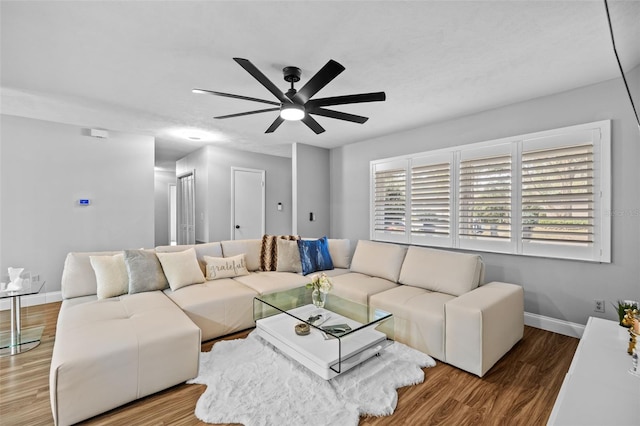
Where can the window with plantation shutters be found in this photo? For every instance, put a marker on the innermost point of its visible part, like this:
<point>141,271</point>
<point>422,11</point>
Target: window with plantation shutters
<point>485,198</point>
<point>431,197</point>
<point>390,201</point>
<point>540,194</point>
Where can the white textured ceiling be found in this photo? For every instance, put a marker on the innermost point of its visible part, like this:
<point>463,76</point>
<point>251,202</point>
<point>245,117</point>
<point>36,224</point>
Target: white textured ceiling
<point>130,66</point>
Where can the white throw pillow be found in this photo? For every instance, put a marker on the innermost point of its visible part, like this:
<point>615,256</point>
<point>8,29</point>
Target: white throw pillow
<point>181,268</point>
<point>111,275</point>
<point>226,267</point>
<point>288,256</point>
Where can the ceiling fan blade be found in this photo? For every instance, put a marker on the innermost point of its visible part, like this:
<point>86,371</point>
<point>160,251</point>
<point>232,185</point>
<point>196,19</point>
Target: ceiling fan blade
<point>240,114</point>
<point>276,123</point>
<point>313,124</point>
<point>347,99</point>
<point>338,114</point>
<point>262,79</point>
<point>327,73</point>
<point>229,95</point>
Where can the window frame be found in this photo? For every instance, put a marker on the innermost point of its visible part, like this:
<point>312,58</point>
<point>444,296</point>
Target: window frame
<point>599,251</point>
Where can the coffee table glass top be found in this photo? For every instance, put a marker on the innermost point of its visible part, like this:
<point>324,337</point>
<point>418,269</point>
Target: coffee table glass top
<point>287,301</point>
<point>328,340</point>
<point>33,287</point>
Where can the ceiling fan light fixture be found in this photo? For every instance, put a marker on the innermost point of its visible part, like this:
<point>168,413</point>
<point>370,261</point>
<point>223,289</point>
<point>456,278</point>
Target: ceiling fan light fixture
<point>292,112</point>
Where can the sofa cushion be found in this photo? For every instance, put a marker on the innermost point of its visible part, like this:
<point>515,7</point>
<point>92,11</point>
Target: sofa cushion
<point>217,307</point>
<point>378,259</point>
<point>271,281</point>
<point>440,270</point>
<point>225,267</point>
<point>111,275</point>
<point>145,271</point>
<point>359,287</point>
<point>418,316</point>
<point>288,256</point>
<point>314,255</point>
<point>206,249</point>
<point>269,250</point>
<point>251,249</point>
<point>78,277</point>
<point>181,268</point>
<point>340,250</point>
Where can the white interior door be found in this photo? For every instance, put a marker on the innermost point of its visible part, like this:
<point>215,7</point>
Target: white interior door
<point>186,209</point>
<point>247,203</point>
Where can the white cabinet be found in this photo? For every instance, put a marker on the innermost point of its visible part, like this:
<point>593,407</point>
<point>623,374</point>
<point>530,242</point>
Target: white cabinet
<point>598,388</point>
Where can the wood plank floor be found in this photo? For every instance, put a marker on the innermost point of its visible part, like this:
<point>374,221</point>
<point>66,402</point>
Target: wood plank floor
<point>519,390</point>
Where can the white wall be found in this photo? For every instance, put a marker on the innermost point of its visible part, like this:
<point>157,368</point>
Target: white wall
<point>161,186</point>
<point>555,288</point>
<point>213,204</point>
<point>45,168</point>
<point>310,168</point>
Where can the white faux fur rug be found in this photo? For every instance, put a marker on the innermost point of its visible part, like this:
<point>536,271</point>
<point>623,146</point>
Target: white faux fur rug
<point>250,382</point>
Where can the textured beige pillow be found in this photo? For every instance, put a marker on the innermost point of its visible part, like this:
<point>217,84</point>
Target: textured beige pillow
<point>226,267</point>
<point>181,268</point>
<point>288,256</point>
<point>111,275</point>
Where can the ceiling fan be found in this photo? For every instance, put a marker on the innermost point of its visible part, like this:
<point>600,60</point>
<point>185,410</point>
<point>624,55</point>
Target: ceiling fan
<point>297,104</point>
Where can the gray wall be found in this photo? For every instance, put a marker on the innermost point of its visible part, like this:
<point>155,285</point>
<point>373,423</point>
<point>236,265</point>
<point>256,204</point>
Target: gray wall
<point>161,185</point>
<point>555,288</point>
<point>310,167</point>
<point>45,168</point>
<point>213,189</point>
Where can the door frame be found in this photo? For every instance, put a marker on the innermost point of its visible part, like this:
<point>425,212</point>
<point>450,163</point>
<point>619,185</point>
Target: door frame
<point>179,240</point>
<point>173,210</point>
<point>233,197</point>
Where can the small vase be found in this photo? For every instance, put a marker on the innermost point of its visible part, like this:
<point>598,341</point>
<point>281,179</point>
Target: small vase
<point>319,298</point>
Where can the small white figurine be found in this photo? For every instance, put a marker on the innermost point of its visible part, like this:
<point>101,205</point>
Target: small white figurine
<point>15,282</point>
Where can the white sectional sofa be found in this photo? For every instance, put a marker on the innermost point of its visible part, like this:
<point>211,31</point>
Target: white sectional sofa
<point>111,351</point>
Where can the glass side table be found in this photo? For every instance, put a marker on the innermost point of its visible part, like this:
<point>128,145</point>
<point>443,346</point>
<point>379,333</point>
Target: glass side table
<point>18,340</point>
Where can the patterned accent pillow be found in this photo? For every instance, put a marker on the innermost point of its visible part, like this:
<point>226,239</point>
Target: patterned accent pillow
<point>314,255</point>
<point>269,251</point>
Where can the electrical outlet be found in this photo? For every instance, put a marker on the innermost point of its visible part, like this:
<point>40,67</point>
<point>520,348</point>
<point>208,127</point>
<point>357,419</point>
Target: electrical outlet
<point>598,306</point>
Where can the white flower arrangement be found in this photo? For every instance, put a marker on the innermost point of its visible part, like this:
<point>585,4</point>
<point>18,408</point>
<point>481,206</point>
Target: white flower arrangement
<point>321,283</point>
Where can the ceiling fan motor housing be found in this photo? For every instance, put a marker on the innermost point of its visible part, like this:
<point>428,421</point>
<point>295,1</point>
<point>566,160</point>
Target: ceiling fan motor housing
<point>291,74</point>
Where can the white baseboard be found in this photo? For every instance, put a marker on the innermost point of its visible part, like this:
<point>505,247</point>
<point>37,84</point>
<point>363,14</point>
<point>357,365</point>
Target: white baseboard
<point>566,328</point>
<point>34,299</point>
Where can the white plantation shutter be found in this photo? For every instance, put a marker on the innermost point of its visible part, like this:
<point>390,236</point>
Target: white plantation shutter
<point>389,201</point>
<point>558,195</point>
<point>485,198</point>
<point>431,200</point>
<point>561,206</point>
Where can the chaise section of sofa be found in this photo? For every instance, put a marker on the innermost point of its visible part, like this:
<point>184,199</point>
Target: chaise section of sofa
<point>113,351</point>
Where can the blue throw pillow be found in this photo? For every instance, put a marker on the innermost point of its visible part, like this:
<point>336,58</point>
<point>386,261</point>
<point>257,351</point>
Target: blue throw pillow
<point>314,255</point>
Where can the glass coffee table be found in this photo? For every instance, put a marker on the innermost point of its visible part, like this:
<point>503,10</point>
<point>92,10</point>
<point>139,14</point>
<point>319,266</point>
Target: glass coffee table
<point>329,340</point>
<point>19,340</point>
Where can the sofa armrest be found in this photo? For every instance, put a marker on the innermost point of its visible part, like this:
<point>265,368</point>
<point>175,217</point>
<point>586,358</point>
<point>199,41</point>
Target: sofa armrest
<point>483,325</point>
